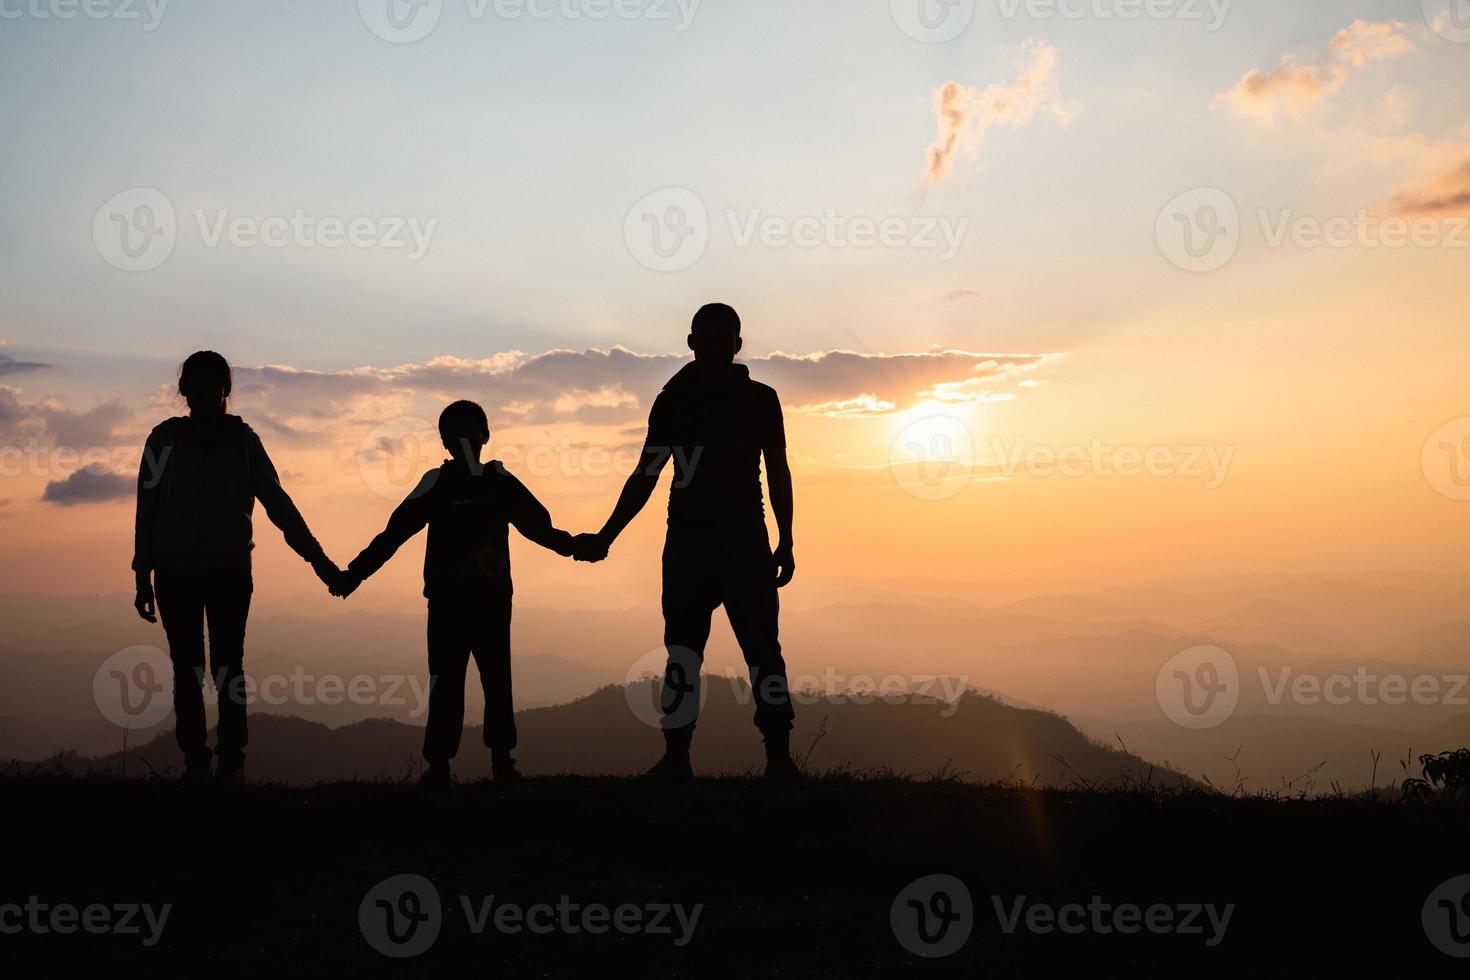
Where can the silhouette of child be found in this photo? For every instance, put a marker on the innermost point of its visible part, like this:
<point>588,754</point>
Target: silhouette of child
<point>468,507</point>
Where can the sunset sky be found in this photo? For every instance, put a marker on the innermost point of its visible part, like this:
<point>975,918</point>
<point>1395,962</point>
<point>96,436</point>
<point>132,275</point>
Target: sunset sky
<point>954,259</point>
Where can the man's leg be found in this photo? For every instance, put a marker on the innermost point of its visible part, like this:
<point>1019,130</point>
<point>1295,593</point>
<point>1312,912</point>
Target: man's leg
<point>753,604</point>
<point>449,655</point>
<point>492,657</point>
<point>690,596</point>
<point>689,600</point>
<point>227,605</point>
<point>181,606</point>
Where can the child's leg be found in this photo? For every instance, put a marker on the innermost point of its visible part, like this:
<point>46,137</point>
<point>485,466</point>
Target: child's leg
<point>449,655</point>
<point>492,657</point>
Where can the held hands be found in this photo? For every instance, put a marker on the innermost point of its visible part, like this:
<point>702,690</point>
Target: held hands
<point>144,603</point>
<point>590,547</point>
<point>341,584</point>
<point>344,585</point>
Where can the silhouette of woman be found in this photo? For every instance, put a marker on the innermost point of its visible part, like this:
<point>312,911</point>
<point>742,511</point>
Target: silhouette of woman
<point>197,486</point>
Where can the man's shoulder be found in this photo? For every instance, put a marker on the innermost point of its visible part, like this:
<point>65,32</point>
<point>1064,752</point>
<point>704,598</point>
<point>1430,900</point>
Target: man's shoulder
<point>763,390</point>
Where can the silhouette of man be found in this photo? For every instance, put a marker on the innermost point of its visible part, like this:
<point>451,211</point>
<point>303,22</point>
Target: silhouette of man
<point>715,423</point>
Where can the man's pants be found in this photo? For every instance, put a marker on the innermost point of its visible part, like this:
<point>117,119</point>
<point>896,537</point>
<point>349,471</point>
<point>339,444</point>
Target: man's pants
<point>458,629</point>
<point>185,601</point>
<point>703,569</point>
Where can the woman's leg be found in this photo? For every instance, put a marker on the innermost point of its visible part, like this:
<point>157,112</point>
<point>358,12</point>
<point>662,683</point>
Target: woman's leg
<point>181,606</point>
<point>227,604</point>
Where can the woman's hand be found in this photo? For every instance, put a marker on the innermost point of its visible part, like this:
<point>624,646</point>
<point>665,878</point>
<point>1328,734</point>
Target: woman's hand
<point>144,602</point>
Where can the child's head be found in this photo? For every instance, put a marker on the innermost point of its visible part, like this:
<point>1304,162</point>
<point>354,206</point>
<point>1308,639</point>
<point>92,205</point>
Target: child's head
<point>205,382</point>
<point>465,430</point>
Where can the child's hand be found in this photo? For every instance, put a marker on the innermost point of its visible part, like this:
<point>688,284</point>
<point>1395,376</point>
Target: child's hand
<point>589,548</point>
<point>326,570</point>
<point>344,584</point>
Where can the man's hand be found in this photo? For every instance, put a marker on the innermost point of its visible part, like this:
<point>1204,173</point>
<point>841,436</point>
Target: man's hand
<point>589,547</point>
<point>343,584</point>
<point>144,603</point>
<point>785,565</point>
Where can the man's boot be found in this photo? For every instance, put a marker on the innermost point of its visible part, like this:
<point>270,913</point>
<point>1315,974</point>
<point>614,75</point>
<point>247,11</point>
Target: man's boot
<point>674,766</point>
<point>779,764</point>
<point>503,767</point>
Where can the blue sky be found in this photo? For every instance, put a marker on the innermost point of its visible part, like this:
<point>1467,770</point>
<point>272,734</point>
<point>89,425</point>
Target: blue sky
<point>528,140</point>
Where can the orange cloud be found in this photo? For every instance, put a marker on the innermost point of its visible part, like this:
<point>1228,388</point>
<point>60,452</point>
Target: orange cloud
<point>1447,194</point>
<point>1300,81</point>
<point>965,114</point>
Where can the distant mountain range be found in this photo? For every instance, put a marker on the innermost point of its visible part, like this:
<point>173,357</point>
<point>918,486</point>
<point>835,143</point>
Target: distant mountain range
<point>1094,660</point>
<point>977,738</point>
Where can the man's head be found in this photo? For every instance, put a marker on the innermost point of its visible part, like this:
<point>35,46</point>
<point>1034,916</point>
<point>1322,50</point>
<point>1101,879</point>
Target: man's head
<point>715,334</point>
<point>465,430</point>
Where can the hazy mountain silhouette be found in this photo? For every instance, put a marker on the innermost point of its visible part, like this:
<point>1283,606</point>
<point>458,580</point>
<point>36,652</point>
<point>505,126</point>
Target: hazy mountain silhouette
<point>981,739</point>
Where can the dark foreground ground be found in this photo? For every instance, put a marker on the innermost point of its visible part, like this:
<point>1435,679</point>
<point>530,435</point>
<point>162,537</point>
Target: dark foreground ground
<point>264,881</point>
